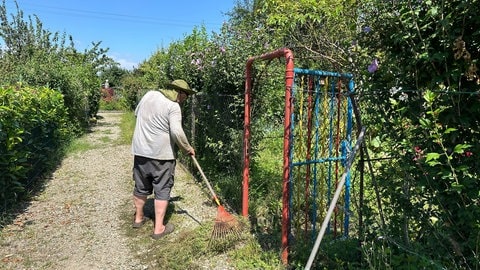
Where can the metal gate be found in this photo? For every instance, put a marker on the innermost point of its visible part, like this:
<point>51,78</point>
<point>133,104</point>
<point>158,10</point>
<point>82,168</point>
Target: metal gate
<point>317,142</point>
<point>320,140</point>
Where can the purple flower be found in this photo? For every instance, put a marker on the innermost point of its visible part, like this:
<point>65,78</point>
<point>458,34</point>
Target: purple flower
<point>197,62</point>
<point>373,66</point>
<point>222,49</point>
<point>367,29</point>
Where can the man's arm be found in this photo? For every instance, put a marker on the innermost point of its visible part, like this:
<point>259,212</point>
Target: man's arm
<point>177,133</point>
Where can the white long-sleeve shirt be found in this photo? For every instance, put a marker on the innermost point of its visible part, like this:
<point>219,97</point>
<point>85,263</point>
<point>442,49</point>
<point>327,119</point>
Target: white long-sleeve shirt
<point>158,128</point>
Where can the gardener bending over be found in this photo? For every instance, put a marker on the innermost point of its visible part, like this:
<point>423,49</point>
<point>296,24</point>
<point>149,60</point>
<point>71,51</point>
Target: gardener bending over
<point>158,129</point>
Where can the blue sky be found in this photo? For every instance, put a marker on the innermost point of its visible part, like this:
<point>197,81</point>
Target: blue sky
<point>133,30</point>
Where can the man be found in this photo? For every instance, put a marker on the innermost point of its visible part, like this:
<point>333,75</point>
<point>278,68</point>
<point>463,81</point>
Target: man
<point>158,129</point>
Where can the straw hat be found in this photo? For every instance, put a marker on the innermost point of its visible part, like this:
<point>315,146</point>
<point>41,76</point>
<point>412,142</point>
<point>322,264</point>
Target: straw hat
<point>182,85</point>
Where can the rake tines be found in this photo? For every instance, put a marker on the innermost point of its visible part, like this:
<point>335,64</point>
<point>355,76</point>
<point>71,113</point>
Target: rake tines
<point>226,230</point>
<point>226,225</point>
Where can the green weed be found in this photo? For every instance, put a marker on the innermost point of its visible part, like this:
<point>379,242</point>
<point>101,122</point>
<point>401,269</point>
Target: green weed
<point>78,145</point>
<point>127,125</point>
<point>105,139</point>
<point>114,105</point>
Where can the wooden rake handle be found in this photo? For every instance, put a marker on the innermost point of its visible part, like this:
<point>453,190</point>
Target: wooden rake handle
<point>206,180</point>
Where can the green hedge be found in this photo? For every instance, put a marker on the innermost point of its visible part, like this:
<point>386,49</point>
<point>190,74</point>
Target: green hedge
<point>33,129</point>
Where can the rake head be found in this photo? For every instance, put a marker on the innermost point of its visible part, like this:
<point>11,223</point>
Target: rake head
<point>226,225</point>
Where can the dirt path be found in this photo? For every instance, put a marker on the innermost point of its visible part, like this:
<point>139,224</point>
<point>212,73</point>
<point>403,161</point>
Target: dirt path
<point>79,220</point>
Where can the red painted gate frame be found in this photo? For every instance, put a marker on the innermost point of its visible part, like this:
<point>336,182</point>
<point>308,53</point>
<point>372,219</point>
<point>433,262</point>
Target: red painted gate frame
<point>289,74</point>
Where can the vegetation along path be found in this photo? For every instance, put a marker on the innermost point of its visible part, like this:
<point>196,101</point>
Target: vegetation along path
<point>82,217</point>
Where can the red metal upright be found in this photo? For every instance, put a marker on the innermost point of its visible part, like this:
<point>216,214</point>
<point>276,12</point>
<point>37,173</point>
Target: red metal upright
<point>289,74</point>
<point>246,136</point>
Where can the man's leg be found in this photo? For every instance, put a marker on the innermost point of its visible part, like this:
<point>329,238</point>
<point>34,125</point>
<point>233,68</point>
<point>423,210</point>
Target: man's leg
<point>160,211</point>
<point>139,202</point>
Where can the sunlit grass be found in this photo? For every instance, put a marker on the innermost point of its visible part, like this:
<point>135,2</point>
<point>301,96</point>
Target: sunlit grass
<point>252,256</point>
<point>105,139</point>
<point>114,105</point>
<point>79,145</point>
<point>127,125</point>
<point>196,249</point>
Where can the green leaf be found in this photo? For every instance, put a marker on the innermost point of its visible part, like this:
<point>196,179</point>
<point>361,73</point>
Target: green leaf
<point>432,156</point>
<point>460,148</point>
<point>457,187</point>
<point>433,163</point>
<point>429,96</point>
<point>450,130</point>
<point>425,122</point>
<point>375,142</point>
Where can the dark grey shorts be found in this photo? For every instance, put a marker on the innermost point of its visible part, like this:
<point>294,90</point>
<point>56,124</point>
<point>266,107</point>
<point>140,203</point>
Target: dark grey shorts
<point>151,175</point>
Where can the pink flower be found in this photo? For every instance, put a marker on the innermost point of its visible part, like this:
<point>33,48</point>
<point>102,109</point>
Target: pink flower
<point>418,153</point>
<point>468,154</point>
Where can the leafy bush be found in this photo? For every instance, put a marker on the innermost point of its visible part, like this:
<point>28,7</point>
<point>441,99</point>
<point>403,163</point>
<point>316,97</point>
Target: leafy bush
<point>47,60</point>
<point>112,105</point>
<point>33,130</point>
<point>422,107</point>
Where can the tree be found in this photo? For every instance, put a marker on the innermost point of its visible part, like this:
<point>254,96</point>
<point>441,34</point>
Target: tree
<point>320,33</point>
<point>51,60</point>
<point>113,73</point>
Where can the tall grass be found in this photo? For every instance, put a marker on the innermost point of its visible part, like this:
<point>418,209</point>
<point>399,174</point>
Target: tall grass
<point>127,125</point>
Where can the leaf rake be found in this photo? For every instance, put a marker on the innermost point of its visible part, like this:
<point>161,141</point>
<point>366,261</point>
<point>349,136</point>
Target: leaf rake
<point>226,225</point>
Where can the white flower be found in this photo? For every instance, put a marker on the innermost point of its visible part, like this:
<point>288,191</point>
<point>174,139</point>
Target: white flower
<point>403,97</point>
<point>395,90</point>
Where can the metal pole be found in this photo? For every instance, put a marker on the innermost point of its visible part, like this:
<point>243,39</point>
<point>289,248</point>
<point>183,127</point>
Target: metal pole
<point>334,201</point>
<point>289,73</point>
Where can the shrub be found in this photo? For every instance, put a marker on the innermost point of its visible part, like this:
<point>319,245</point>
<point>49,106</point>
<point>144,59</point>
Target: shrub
<point>33,130</point>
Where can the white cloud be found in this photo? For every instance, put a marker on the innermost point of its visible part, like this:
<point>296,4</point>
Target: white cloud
<point>125,63</point>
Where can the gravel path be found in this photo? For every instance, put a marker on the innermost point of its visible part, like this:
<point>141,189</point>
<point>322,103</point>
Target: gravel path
<point>76,221</point>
